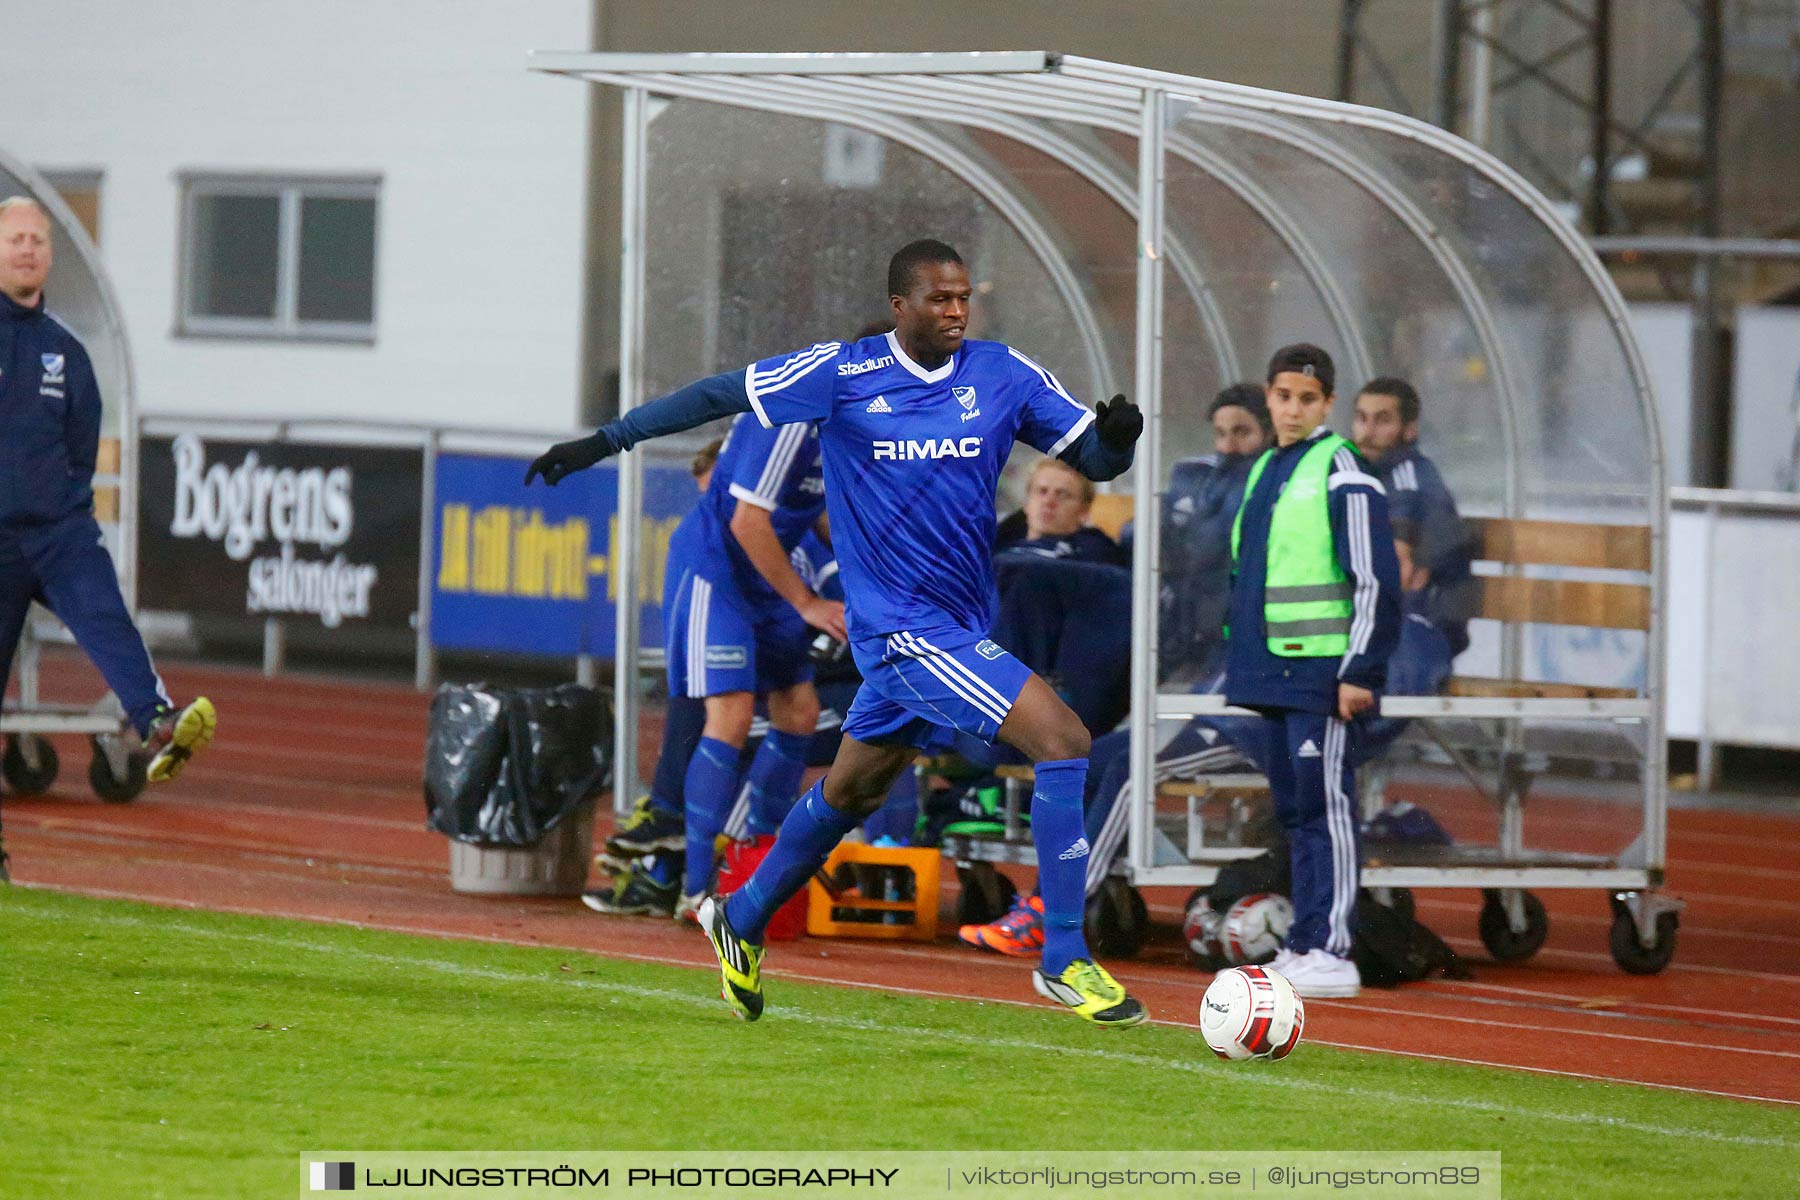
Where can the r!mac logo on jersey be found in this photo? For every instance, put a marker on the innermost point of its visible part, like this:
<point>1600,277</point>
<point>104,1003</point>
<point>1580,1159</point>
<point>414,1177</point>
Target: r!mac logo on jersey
<point>969,447</point>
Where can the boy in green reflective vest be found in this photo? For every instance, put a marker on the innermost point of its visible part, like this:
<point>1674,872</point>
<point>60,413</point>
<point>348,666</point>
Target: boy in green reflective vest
<point>1315,612</point>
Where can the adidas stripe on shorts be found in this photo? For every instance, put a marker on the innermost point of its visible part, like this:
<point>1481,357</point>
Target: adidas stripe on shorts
<point>943,677</point>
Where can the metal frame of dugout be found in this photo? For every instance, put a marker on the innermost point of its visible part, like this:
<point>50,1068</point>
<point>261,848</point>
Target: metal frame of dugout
<point>84,300</point>
<point>1400,248</point>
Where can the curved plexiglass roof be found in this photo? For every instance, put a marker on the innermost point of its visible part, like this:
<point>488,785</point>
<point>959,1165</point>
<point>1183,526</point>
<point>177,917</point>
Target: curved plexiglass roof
<point>1400,248</point>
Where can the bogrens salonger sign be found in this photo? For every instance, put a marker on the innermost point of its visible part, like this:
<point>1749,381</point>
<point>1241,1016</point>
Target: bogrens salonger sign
<point>325,533</point>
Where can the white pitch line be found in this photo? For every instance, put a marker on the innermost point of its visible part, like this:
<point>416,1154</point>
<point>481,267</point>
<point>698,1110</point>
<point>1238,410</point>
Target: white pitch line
<point>224,746</point>
<point>151,839</point>
<point>336,787</point>
<point>1198,1066</point>
<point>1620,1003</point>
<point>319,865</point>
<point>993,962</point>
<point>1675,968</point>
<point>1175,914</point>
<point>247,809</point>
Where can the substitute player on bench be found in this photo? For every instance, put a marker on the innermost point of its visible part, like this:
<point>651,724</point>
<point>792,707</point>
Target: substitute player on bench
<point>735,626</point>
<point>915,427</point>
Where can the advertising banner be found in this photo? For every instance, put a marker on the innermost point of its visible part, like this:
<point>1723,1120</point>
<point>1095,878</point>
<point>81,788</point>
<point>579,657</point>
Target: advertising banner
<point>315,533</point>
<point>530,570</point>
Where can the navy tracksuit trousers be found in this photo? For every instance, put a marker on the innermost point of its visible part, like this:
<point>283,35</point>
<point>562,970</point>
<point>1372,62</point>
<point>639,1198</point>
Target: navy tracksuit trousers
<point>65,567</point>
<point>1312,783</point>
<point>1310,761</point>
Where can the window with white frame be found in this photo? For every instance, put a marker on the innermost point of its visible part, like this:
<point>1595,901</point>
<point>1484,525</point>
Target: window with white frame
<point>273,257</point>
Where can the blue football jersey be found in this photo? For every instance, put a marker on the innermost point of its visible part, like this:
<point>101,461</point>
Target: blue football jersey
<point>912,457</point>
<point>775,469</point>
<point>816,564</point>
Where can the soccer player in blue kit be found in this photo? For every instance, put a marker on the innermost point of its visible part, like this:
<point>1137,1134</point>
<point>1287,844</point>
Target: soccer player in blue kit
<point>915,426</point>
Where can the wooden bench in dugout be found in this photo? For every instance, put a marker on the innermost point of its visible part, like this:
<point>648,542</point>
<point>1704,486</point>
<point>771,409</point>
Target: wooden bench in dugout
<point>1512,556</point>
<point>1513,923</point>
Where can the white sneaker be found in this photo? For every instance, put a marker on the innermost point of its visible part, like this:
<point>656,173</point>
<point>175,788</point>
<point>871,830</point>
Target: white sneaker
<point>1320,975</point>
<point>1283,961</point>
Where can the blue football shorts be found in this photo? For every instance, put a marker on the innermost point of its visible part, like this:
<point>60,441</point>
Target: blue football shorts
<point>943,677</point>
<point>715,641</point>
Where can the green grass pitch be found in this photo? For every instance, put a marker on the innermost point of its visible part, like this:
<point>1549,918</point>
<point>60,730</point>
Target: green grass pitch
<point>148,1053</point>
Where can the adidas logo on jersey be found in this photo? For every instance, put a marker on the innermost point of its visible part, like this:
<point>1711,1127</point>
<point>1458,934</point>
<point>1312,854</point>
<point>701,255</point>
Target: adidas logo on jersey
<point>1308,749</point>
<point>1078,850</point>
<point>879,404</point>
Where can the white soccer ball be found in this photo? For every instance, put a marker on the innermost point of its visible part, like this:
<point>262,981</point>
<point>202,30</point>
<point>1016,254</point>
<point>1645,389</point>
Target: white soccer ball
<point>1252,1012</point>
<point>1255,928</point>
<point>1203,928</point>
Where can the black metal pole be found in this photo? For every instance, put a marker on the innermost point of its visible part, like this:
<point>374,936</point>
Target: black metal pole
<point>1445,96</point>
<point>1711,407</point>
<point>1598,211</point>
<point>1349,17</point>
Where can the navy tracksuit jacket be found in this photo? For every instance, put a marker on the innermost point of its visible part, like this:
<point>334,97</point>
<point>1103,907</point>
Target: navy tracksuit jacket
<point>51,548</point>
<point>1309,751</point>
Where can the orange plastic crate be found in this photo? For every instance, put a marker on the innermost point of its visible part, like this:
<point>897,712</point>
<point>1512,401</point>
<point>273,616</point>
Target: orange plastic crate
<point>849,914</point>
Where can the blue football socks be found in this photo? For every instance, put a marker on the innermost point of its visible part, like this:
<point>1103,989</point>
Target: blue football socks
<point>1062,854</point>
<point>810,833</point>
<point>774,779</point>
<point>710,788</point>
<point>682,726</point>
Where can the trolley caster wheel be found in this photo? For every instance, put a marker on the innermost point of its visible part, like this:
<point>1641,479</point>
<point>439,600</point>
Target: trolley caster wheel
<point>29,764</point>
<point>987,895</point>
<point>1628,949</point>
<point>1504,942</point>
<point>111,787</point>
<point>1116,920</point>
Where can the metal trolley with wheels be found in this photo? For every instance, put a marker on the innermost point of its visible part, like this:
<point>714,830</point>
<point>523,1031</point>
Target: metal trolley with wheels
<point>82,298</point>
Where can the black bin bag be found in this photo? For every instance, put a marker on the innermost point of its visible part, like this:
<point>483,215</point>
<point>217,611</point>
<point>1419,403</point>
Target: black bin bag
<point>503,766</point>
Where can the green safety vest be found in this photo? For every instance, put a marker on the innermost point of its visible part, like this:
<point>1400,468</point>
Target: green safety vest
<point>1306,595</point>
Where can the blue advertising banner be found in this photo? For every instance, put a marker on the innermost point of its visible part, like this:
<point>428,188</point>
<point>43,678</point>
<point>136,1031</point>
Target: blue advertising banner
<point>530,570</point>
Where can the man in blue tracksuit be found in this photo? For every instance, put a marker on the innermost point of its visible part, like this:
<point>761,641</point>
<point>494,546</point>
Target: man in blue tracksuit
<point>1429,534</point>
<point>51,548</point>
<point>1315,613</point>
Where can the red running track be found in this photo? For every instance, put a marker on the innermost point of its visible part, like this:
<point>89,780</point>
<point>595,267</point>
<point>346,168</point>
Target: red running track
<point>309,806</point>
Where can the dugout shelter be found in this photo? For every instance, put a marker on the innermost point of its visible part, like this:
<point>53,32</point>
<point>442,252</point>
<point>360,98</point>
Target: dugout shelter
<point>1158,234</point>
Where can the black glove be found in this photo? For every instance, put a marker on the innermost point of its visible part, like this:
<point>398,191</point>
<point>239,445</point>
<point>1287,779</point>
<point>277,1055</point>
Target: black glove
<point>565,458</point>
<point>1118,423</point>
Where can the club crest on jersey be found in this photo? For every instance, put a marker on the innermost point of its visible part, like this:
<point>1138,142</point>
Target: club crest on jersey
<point>965,396</point>
<point>53,367</point>
<point>969,447</point>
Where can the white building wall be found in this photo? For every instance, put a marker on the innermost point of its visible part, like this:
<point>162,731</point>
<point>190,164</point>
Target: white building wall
<point>1665,337</point>
<point>1765,418</point>
<point>483,167</point>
